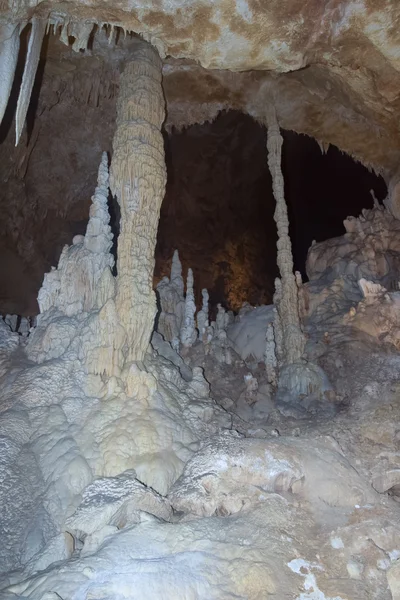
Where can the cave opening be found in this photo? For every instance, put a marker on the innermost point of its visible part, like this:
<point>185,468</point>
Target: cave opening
<point>218,207</point>
<point>218,210</point>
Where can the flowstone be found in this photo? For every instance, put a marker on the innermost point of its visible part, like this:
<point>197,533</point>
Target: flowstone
<point>72,413</point>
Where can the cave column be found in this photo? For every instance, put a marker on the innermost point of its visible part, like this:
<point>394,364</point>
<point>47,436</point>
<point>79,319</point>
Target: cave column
<point>293,340</point>
<point>138,179</point>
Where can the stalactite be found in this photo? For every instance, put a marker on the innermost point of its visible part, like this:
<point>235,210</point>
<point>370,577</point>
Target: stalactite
<point>28,78</point>
<point>287,306</point>
<point>137,179</point>
<point>9,48</point>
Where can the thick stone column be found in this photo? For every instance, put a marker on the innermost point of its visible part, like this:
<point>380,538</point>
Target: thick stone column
<point>293,341</point>
<point>138,179</point>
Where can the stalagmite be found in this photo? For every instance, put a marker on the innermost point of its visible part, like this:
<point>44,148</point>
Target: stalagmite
<point>83,278</point>
<point>9,48</point>
<point>176,273</point>
<point>287,306</point>
<point>270,355</point>
<point>188,331</point>
<point>28,78</point>
<point>137,179</point>
<point>98,236</point>
<point>202,316</point>
<point>222,320</point>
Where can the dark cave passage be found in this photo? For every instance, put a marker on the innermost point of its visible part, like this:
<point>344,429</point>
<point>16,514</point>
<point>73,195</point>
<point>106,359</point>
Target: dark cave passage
<point>218,208</point>
<point>321,190</point>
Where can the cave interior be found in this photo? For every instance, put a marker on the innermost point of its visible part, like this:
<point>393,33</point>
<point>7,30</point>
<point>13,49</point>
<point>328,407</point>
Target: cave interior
<point>218,207</point>
<point>200,301</point>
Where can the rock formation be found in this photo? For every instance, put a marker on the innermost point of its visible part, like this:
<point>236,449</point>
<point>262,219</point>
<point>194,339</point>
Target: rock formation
<point>129,470</point>
<point>138,179</point>
<point>202,316</point>
<point>172,303</point>
<point>287,301</point>
<point>188,333</point>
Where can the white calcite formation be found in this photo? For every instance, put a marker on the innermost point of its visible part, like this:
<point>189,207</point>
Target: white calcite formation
<point>271,362</point>
<point>188,333</point>
<point>120,474</point>
<point>136,468</point>
<point>248,333</point>
<point>172,303</point>
<point>84,415</point>
<point>287,300</point>
<point>137,179</point>
<point>117,502</point>
<point>203,317</point>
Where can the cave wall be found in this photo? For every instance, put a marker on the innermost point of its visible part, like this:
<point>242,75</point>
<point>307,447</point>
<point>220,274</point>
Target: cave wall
<point>48,179</point>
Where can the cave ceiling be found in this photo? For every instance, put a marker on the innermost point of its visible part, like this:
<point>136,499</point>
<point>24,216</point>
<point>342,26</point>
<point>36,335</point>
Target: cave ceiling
<point>331,68</point>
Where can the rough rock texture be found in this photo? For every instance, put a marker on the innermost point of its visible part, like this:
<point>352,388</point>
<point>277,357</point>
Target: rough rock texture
<point>137,178</point>
<point>229,475</point>
<point>49,177</point>
<point>344,55</point>
<point>286,300</point>
<point>188,333</point>
<point>302,504</point>
<point>249,331</point>
<point>83,416</point>
<point>306,494</point>
<point>116,501</point>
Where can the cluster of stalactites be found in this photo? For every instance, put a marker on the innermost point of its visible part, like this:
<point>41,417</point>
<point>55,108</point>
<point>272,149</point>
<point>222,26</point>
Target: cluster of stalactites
<point>83,280</point>
<point>66,28</point>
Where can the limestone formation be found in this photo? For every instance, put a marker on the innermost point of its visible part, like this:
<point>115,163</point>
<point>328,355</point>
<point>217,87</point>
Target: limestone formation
<point>82,280</point>
<point>292,336</point>
<point>271,363</point>
<point>9,47</point>
<point>203,317</point>
<point>28,78</point>
<point>239,469</point>
<point>172,303</point>
<point>247,334</point>
<point>229,474</point>
<point>116,501</point>
<point>137,179</point>
<point>176,274</point>
<point>93,452</point>
<point>188,333</point>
